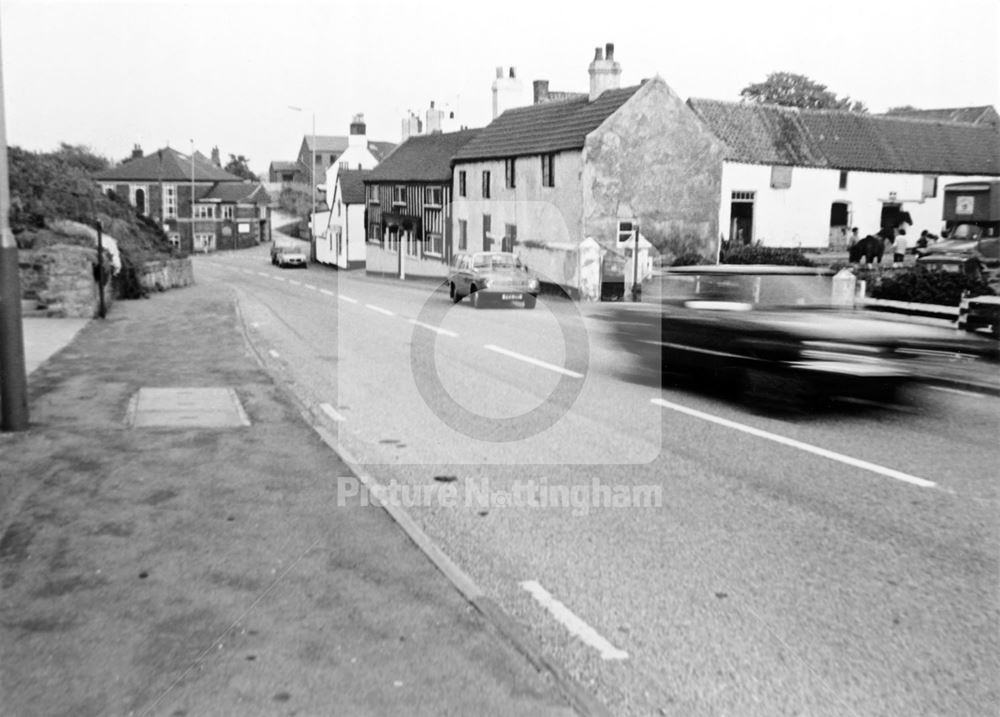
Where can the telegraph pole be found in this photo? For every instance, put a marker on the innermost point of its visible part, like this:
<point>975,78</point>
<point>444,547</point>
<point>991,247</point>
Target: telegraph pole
<point>13,376</point>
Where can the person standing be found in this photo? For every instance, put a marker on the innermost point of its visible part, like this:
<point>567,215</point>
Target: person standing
<point>899,249</point>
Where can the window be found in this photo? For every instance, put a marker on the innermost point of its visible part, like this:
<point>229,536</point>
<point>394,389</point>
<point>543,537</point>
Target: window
<point>338,207</point>
<point>508,173</point>
<point>781,177</point>
<point>843,179</point>
<point>373,194</point>
<point>412,243</point>
<point>169,201</point>
<point>509,237</point>
<point>461,183</point>
<point>204,211</point>
<point>435,244</point>
<point>175,240</point>
<point>204,242</point>
<point>375,233</point>
<point>399,194</point>
<point>930,186</point>
<point>432,195</point>
<point>486,184</point>
<point>548,170</point>
<point>228,211</point>
<point>463,234</point>
<point>625,231</point>
<point>487,227</point>
<point>344,165</point>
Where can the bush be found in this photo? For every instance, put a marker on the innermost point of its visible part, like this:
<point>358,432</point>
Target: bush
<point>757,254</point>
<point>920,285</point>
<point>691,258</point>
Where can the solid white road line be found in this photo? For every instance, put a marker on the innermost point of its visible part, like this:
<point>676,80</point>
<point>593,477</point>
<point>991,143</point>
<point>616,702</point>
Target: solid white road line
<point>327,292</point>
<point>331,412</point>
<point>274,354</point>
<point>574,624</point>
<point>443,332</point>
<point>533,361</point>
<point>348,299</point>
<point>380,309</point>
<point>957,391</point>
<point>809,448</point>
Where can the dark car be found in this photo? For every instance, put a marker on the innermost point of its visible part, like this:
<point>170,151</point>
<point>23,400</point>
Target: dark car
<point>492,276</point>
<point>772,333</point>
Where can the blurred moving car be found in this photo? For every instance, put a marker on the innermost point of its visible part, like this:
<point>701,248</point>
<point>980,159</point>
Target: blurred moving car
<point>966,240</point>
<point>289,255</point>
<point>772,334</point>
<point>983,312</point>
<point>492,276</point>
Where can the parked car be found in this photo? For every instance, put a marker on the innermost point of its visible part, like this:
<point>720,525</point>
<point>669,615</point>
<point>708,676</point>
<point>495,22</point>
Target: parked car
<point>966,240</point>
<point>288,255</point>
<point>492,276</point>
<point>966,264</point>
<point>983,312</point>
<point>771,334</point>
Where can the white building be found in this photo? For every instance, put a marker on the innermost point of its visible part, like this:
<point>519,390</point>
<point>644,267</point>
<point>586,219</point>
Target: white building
<point>804,178</point>
<point>340,232</point>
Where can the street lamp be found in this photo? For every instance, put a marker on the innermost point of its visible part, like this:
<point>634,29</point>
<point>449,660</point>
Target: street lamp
<point>312,171</point>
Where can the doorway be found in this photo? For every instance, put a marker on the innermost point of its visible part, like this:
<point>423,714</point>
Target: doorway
<point>741,217</point>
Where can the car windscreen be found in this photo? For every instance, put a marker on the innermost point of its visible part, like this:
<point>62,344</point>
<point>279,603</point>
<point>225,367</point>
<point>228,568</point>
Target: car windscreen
<point>762,290</point>
<point>496,261</point>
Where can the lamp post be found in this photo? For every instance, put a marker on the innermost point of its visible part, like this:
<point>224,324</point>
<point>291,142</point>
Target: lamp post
<point>312,173</point>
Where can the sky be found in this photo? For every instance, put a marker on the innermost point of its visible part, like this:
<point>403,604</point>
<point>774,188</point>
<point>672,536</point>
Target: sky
<point>109,74</point>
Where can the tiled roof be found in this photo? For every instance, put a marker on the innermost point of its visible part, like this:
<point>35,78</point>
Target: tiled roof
<point>422,158</point>
<point>166,165</point>
<point>543,128</point>
<point>326,143</point>
<point>352,185</point>
<point>244,192</point>
<point>972,115</point>
<point>281,166</point>
<point>381,150</point>
<point>771,134</point>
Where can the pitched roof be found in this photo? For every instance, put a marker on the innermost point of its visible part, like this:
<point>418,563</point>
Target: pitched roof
<point>772,134</point>
<point>422,158</point>
<point>244,192</point>
<point>167,165</point>
<point>381,149</point>
<point>973,115</point>
<point>352,185</point>
<point>543,128</point>
<point>279,166</point>
<point>326,143</point>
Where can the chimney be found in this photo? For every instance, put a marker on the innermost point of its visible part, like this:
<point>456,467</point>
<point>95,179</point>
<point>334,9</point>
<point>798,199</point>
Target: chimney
<point>136,151</point>
<point>215,157</point>
<point>357,136</point>
<point>513,73</point>
<point>508,91</point>
<point>605,72</point>
<point>541,91</point>
<point>434,117</point>
<point>499,72</point>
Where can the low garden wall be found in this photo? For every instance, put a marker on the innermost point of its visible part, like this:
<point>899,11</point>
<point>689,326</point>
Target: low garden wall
<point>61,280</point>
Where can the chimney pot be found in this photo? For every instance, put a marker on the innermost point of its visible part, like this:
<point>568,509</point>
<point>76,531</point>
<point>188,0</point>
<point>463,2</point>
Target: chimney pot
<point>609,51</point>
<point>513,73</point>
<point>597,54</point>
<point>432,104</point>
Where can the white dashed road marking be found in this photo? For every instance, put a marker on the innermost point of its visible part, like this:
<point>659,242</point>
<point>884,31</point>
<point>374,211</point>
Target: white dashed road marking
<point>533,361</point>
<point>327,292</point>
<point>331,412</point>
<point>295,282</point>
<point>262,273</point>
<point>807,447</point>
<point>309,286</point>
<point>348,299</point>
<point>574,624</point>
<point>278,278</point>
<point>438,329</point>
<point>379,309</point>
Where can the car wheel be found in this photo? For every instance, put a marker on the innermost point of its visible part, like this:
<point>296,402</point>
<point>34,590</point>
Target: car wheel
<point>453,293</point>
<point>529,302</point>
<point>477,302</point>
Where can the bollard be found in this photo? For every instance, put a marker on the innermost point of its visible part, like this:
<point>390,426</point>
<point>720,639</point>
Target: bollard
<point>963,312</point>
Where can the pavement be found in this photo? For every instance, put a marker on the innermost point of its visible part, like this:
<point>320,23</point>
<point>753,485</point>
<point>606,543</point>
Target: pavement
<point>171,551</point>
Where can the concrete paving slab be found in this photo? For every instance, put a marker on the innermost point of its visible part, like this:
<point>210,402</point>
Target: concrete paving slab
<point>186,408</point>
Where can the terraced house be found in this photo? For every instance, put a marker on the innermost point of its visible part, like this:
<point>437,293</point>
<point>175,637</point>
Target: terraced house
<point>227,212</point>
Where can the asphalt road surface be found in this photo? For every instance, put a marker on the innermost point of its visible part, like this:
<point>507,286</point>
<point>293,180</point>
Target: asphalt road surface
<point>679,553</point>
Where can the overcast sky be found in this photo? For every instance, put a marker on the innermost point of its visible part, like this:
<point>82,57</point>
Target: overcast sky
<point>112,73</point>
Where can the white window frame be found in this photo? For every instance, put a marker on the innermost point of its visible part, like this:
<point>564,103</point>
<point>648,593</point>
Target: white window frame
<point>228,211</point>
<point>433,196</point>
<point>399,195</point>
<point>204,211</point>
<point>170,201</point>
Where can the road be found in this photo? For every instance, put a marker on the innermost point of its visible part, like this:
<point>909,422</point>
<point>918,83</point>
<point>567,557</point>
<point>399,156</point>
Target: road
<point>679,553</point>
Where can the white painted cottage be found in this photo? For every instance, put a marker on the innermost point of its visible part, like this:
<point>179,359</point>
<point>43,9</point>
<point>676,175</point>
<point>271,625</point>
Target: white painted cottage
<point>795,177</point>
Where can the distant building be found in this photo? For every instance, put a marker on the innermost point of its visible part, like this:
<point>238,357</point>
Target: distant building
<point>227,211</point>
<point>340,231</point>
<point>508,91</point>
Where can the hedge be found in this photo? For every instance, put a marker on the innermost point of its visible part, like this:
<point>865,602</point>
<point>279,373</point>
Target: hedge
<point>920,285</point>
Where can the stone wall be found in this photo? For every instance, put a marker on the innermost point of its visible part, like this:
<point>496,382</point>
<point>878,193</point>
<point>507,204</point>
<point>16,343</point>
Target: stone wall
<point>60,280</point>
<point>166,274</point>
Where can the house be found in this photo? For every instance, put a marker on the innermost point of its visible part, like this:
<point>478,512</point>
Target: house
<point>328,150</point>
<point>545,179</point>
<point>795,177</point>
<point>409,200</point>
<point>227,212</point>
<point>340,232</point>
<point>283,173</point>
<point>982,115</point>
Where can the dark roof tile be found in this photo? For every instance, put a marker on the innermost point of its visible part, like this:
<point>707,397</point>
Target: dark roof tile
<point>166,165</point>
<point>422,158</point>
<point>352,185</point>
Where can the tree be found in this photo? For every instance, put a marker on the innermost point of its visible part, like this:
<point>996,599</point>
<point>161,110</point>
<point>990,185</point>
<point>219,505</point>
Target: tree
<point>791,90</point>
<point>239,165</point>
<point>901,109</point>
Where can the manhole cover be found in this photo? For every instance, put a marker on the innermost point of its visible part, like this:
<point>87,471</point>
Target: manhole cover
<point>186,408</point>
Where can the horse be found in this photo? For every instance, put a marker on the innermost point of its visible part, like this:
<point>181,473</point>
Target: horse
<point>871,248</point>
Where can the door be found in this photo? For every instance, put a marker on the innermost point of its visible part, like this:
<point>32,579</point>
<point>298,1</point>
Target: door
<point>741,218</point>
